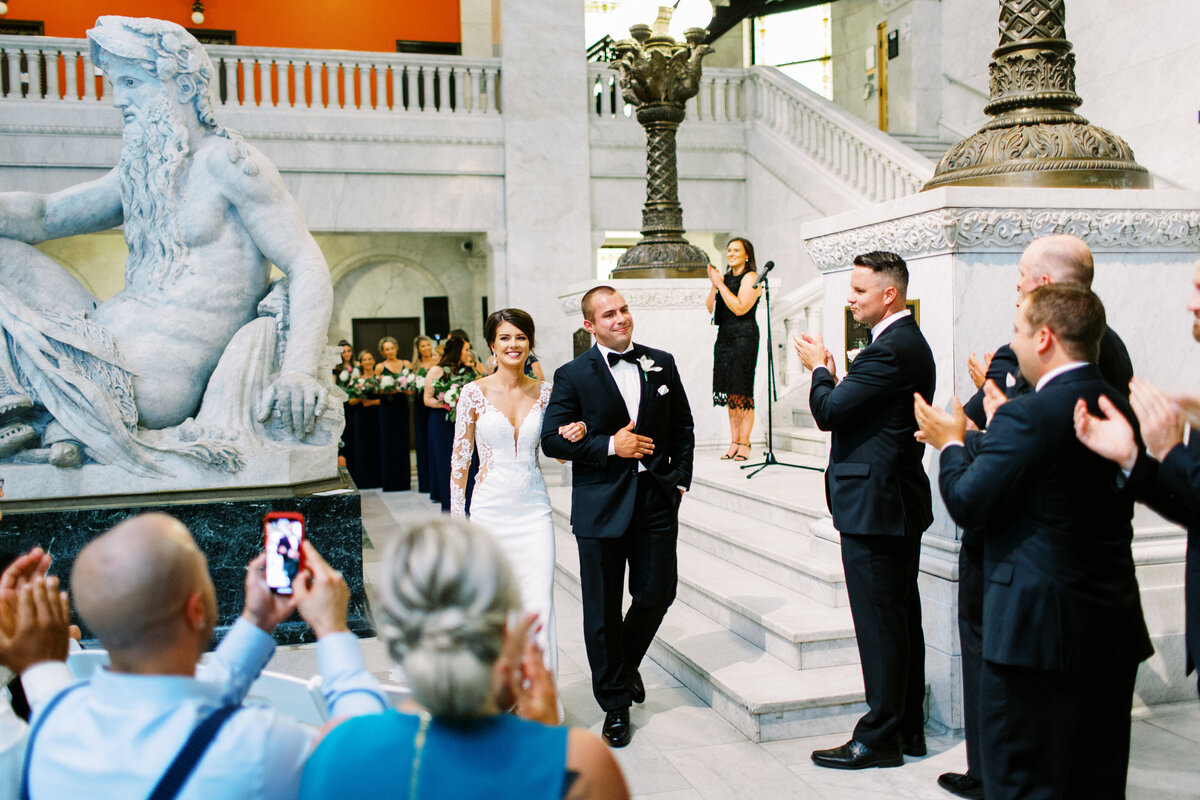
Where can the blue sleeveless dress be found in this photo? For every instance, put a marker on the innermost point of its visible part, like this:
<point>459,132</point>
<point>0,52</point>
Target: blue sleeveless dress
<point>495,757</point>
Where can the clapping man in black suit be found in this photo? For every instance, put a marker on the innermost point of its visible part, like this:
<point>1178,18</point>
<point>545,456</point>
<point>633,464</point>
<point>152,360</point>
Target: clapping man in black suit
<point>1167,475</point>
<point>878,494</point>
<point>1061,258</point>
<point>1063,630</point>
<point>631,466</point>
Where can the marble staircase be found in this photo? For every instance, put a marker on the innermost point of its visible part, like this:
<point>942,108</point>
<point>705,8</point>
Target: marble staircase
<point>932,147</point>
<point>761,629</point>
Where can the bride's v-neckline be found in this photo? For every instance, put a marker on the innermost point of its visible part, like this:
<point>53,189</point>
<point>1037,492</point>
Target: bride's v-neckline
<point>516,429</point>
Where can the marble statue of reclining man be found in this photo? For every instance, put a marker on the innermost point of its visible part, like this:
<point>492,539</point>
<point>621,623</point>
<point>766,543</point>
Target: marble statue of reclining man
<point>204,216</point>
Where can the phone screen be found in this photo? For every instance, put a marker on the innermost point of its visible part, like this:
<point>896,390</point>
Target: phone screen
<point>282,544</point>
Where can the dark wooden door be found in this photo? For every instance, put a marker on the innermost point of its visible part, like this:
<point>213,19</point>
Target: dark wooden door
<point>368,332</point>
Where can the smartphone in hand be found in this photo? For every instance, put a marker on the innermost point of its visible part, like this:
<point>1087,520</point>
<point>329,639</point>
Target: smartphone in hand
<point>283,531</point>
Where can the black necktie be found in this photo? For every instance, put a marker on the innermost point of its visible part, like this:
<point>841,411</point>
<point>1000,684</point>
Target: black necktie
<point>628,355</point>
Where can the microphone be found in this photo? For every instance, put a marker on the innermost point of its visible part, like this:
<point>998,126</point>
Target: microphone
<point>770,265</point>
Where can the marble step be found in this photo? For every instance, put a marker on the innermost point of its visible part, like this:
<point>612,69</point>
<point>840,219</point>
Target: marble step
<point>803,418</point>
<point>805,440</point>
<point>799,631</point>
<point>788,497</point>
<point>789,557</point>
<point>761,696</point>
<point>786,557</point>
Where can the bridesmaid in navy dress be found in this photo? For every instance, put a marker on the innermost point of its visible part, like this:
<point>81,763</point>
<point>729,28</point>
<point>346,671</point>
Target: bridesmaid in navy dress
<point>341,376</point>
<point>441,429</point>
<point>395,462</point>
<point>364,448</point>
<point>424,359</point>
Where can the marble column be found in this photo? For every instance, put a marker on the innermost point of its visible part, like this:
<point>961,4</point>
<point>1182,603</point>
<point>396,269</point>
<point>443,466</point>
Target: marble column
<point>962,246</point>
<point>546,166</point>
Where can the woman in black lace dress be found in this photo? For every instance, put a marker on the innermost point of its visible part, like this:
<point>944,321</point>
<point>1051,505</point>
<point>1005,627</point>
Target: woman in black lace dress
<point>732,302</point>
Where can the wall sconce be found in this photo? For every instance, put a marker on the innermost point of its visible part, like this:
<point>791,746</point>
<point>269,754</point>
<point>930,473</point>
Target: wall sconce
<point>3,8</point>
<point>198,12</point>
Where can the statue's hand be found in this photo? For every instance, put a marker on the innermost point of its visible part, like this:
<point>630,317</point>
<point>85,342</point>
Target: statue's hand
<point>297,399</point>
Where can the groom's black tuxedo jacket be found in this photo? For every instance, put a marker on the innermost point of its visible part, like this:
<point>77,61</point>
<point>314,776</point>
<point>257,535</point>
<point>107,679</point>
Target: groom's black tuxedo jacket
<point>605,487</point>
<point>1060,593</point>
<point>876,483</point>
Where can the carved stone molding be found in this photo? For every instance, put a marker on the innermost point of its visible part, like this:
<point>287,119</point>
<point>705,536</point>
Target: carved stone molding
<point>661,295</point>
<point>1009,229</point>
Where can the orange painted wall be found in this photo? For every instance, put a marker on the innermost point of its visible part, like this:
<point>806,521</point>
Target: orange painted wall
<point>321,24</point>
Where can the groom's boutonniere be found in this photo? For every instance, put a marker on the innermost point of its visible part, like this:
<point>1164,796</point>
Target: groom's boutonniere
<point>647,365</point>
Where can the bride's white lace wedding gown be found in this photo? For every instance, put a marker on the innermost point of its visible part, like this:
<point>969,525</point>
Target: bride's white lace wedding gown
<point>510,497</point>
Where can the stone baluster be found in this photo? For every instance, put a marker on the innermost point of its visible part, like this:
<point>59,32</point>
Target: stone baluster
<point>444,104</point>
<point>493,93</point>
<point>53,90</point>
<point>793,371</point>
<point>90,92</point>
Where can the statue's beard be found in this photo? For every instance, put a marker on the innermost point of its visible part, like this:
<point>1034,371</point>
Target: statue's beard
<point>155,146</point>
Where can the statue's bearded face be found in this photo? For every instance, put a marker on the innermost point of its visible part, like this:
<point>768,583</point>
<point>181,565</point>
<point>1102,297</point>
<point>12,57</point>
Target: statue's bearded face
<point>155,147</point>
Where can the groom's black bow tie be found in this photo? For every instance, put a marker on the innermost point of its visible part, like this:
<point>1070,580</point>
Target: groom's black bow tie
<point>629,355</point>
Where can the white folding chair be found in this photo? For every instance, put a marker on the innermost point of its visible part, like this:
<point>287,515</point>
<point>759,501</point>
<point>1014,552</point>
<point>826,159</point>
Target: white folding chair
<point>296,697</point>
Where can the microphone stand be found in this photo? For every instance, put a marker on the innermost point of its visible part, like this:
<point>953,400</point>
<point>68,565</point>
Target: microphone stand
<point>769,459</point>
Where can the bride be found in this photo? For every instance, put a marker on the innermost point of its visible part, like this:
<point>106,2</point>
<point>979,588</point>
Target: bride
<point>501,414</point>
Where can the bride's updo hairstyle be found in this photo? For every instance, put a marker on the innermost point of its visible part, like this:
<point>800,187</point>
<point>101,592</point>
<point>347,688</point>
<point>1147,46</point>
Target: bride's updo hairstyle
<point>447,591</point>
<point>513,316</point>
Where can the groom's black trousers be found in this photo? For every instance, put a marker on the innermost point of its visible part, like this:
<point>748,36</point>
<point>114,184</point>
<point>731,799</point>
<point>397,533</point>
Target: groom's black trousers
<point>616,645</point>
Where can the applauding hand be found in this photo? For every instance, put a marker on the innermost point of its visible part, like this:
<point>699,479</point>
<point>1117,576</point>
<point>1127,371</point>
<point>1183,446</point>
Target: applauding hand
<point>940,427</point>
<point>1109,435</point>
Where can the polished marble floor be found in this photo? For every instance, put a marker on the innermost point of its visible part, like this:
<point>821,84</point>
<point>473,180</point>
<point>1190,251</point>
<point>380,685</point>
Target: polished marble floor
<point>682,750</point>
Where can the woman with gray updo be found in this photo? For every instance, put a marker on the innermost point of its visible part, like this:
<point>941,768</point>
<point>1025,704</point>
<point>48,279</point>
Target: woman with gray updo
<point>450,618</point>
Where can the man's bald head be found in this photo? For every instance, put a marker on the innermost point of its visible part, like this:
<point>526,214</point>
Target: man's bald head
<point>132,585</point>
<point>1061,258</point>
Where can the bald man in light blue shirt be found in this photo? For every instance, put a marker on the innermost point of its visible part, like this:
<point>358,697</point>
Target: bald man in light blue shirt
<point>143,588</point>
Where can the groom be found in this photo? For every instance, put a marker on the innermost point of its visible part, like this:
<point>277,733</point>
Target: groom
<point>631,468</point>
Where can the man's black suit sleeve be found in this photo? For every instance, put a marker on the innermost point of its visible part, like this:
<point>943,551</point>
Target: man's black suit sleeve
<point>873,377</point>
<point>1172,488</point>
<point>976,488</point>
<point>565,407</point>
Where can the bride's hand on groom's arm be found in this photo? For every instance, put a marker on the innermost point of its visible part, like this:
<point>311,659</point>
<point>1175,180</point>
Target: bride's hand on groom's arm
<point>628,444</point>
<point>573,431</point>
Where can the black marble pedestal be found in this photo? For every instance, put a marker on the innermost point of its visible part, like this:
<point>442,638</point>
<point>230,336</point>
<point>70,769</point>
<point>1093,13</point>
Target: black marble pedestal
<point>227,526</point>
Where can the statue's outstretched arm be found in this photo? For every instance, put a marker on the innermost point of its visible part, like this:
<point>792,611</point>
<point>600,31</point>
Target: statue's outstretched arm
<point>84,208</point>
<point>273,219</point>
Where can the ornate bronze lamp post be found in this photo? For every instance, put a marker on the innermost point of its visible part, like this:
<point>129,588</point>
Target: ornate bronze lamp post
<point>1035,138</point>
<point>659,75</point>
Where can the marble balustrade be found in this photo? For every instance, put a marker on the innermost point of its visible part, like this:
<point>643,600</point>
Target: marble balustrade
<point>59,69</point>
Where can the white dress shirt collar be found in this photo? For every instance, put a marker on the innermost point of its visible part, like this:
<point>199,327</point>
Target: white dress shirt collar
<point>1054,373</point>
<point>883,324</point>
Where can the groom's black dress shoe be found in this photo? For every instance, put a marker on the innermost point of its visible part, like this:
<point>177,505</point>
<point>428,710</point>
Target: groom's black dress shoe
<point>913,744</point>
<point>617,731</point>
<point>962,785</point>
<point>856,755</point>
<point>637,689</point>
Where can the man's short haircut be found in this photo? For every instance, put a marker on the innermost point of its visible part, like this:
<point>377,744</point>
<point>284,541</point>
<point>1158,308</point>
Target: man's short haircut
<point>1073,313</point>
<point>888,265</point>
<point>585,305</point>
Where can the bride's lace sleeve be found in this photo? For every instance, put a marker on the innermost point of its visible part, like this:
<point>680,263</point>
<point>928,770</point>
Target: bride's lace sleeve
<point>470,405</point>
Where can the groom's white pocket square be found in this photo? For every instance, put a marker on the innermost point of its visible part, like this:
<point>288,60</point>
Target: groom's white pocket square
<point>664,389</point>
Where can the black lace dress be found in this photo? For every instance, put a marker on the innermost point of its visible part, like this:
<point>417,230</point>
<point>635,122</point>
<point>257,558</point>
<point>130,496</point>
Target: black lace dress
<point>736,350</point>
